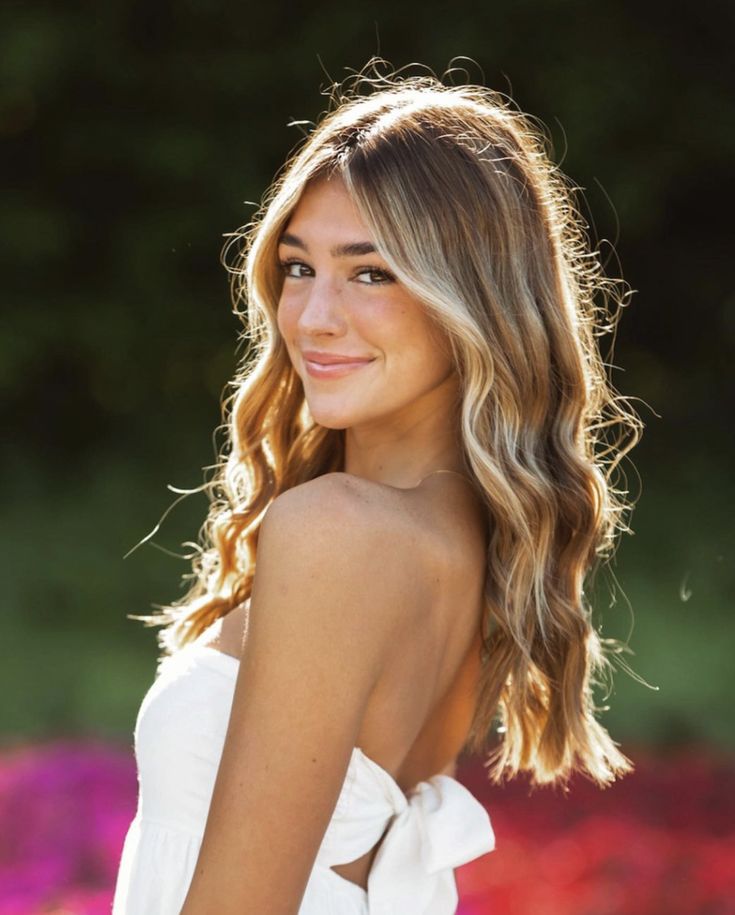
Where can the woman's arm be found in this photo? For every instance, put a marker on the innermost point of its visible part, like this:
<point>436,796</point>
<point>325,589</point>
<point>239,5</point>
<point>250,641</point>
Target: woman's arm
<point>329,599</point>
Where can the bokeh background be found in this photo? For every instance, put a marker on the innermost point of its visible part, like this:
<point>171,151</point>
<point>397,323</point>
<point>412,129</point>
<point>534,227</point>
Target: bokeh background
<point>135,135</point>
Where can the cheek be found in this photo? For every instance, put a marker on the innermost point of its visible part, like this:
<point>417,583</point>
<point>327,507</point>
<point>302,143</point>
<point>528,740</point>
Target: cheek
<point>380,323</point>
<point>433,360</point>
<point>414,341</point>
<point>415,363</point>
<point>440,348</point>
<point>286,318</point>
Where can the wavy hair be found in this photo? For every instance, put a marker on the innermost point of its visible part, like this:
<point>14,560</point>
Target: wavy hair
<point>464,203</point>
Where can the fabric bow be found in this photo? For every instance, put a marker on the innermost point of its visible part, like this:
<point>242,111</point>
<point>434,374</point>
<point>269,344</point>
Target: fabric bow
<point>440,826</point>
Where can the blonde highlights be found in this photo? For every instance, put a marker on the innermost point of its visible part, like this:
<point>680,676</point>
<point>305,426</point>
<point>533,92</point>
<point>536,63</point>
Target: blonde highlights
<point>465,205</point>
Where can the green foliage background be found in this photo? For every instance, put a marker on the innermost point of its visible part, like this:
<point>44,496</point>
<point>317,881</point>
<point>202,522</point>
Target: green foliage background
<point>133,135</point>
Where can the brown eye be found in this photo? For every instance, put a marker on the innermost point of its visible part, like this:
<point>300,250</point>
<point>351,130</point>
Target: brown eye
<point>375,276</point>
<point>292,268</point>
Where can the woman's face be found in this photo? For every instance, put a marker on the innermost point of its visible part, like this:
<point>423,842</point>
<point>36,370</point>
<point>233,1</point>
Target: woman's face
<point>361,343</point>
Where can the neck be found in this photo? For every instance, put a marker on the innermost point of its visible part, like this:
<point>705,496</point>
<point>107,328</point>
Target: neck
<point>406,447</point>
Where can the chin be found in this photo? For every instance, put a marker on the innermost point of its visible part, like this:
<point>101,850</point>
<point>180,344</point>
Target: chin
<point>331,420</point>
<point>334,416</point>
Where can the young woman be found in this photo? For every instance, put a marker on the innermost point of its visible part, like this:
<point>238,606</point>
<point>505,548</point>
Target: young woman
<point>415,455</point>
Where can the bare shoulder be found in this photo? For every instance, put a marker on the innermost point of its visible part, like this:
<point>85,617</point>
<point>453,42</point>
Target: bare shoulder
<point>348,532</point>
<point>342,503</point>
<point>338,492</point>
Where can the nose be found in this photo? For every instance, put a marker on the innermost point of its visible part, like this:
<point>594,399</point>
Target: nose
<point>322,312</point>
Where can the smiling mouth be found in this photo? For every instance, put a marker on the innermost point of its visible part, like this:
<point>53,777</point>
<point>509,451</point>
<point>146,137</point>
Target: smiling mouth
<point>334,369</point>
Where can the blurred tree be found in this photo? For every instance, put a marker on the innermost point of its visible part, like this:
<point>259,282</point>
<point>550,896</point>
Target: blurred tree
<point>135,135</point>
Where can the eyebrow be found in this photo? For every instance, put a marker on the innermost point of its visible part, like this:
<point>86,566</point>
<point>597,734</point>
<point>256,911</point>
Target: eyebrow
<point>352,249</point>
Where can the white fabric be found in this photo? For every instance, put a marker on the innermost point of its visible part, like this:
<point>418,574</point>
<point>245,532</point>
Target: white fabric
<point>179,735</point>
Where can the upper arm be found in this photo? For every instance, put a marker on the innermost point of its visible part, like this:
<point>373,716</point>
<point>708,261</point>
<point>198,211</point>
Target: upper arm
<point>325,607</point>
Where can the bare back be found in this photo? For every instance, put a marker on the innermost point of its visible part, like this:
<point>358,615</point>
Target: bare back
<point>420,711</point>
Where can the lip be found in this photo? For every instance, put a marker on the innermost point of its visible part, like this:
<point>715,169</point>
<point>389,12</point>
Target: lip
<point>332,365</point>
<point>314,355</point>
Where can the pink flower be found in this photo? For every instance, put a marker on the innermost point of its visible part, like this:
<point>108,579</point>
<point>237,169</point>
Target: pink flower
<point>64,810</point>
<point>659,842</point>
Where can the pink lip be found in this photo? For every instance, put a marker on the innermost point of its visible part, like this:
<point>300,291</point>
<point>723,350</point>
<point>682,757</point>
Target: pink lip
<point>334,369</point>
<point>314,355</point>
<point>332,365</point>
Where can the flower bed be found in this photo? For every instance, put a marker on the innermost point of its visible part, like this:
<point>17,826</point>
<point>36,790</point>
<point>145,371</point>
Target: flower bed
<point>659,842</point>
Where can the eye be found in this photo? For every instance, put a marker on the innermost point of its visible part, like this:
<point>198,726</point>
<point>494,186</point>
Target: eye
<point>375,276</point>
<point>293,268</point>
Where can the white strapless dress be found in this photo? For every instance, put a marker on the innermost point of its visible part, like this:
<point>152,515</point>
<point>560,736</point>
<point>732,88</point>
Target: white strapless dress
<point>178,740</point>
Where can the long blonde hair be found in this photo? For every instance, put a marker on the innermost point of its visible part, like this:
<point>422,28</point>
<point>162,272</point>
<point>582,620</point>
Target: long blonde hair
<point>466,207</point>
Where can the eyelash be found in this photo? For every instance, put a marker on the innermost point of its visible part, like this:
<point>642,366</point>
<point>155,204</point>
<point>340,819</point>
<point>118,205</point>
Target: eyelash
<point>387,276</point>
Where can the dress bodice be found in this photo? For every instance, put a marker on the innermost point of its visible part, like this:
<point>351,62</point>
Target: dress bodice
<point>178,739</point>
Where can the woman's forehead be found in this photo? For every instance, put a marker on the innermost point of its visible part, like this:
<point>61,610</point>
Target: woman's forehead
<point>324,214</point>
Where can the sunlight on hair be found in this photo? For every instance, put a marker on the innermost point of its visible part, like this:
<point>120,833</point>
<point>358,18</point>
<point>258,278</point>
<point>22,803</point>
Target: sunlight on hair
<point>470,212</point>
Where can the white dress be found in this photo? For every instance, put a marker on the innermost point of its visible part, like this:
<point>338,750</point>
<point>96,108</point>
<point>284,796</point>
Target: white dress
<point>179,735</point>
